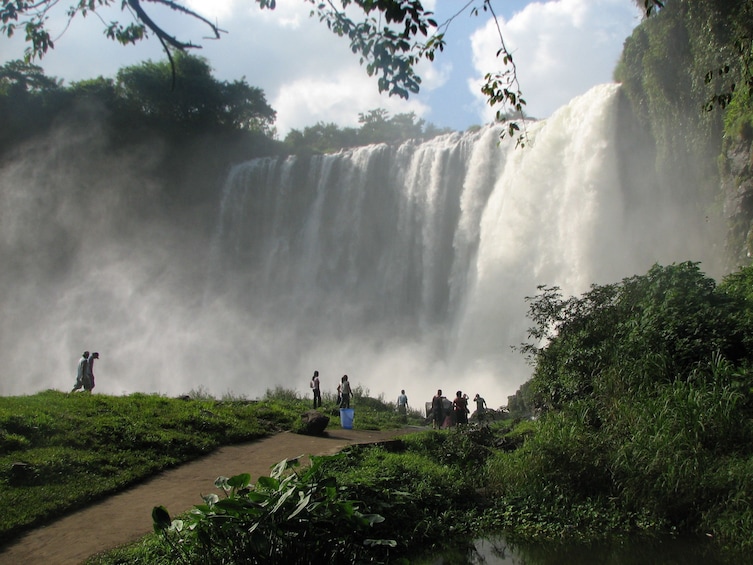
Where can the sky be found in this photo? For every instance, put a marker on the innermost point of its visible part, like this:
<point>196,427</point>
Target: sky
<point>561,48</point>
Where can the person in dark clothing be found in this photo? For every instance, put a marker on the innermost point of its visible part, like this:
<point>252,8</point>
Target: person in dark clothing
<point>437,410</point>
<point>89,374</point>
<point>345,392</point>
<point>316,389</point>
<point>460,406</point>
<point>480,407</point>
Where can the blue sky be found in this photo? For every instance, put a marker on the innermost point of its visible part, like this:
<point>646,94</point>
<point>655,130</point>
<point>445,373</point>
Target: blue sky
<point>562,48</point>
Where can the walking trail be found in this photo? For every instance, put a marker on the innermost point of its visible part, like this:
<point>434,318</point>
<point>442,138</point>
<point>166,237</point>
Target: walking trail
<point>127,516</point>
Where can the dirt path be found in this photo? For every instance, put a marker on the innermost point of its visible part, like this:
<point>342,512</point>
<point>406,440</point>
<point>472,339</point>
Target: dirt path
<point>127,516</point>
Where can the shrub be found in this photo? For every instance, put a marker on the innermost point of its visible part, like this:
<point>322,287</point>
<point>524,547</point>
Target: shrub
<point>287,517</point>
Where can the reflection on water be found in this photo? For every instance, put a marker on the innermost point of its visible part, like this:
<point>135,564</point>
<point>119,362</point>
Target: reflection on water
<point>497,551</point>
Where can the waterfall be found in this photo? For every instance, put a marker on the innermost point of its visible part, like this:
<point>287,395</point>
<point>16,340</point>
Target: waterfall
<point>408,266</point>
<point>404,266</point>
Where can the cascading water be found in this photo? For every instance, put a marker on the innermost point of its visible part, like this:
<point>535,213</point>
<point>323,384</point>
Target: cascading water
<point>405,267</point>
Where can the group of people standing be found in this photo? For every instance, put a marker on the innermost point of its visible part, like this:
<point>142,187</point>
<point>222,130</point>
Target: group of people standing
<point>442,417</point>
<point>444,413</point>
<point>85,372</point>
<point>344,391</point>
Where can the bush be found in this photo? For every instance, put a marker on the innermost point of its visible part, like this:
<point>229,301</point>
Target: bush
<point>285,518</point>
<point>645,388</point>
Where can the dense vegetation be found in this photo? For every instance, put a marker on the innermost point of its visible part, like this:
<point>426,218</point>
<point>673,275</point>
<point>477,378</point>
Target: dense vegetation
<point>142,100</point>
<point>645,395</point>
<point>376,127</point>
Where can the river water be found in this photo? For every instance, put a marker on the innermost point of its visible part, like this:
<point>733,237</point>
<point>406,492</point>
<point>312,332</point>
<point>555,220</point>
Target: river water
<point>497,551</point>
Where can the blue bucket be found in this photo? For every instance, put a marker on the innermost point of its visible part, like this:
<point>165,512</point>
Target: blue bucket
<point>346,418</point>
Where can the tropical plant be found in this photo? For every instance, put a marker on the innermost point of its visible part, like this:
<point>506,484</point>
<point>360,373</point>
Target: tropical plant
<point>287,517</point>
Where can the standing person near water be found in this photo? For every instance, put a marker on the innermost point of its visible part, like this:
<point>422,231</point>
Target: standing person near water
<point>460,406</point>
<point>317,391</point>
<point>345,392</point>
<point>89,372</point>
<point>437,410</point>
<point>402,405</point>
<point>81,371</point>
<point>480,407</point>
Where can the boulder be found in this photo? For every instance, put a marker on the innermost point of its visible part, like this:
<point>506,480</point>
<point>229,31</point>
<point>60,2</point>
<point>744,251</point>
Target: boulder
<point>22,473</point>
<point>313,423</point>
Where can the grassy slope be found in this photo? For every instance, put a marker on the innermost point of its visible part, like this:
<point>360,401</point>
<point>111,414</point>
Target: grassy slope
<point>62,451</point>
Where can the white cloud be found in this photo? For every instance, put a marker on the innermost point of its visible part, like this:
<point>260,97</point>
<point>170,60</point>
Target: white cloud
<point>561,49</point>
<point>213,9</point>
<point>338,99</point>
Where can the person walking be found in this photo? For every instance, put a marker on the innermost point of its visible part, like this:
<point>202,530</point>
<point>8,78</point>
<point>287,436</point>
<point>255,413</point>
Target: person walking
<point>402,406</point>
<point>345,392</point>
<point>317,391</point>
<point>81,371</point>
<point>89,373</point>
<point>437,410</point>
<point>460,406</point>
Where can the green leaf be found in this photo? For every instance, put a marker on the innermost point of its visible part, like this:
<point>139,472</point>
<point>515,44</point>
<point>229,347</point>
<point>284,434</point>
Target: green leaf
<point>268,483</point>
<point>256,497</point>
<point>232,505</point>
<point>373,518</point>
<point>380,542</point>
<point>239,481</point>
<point>302,503</point>
<point>176,526</point>
<point>160,518</point>
<point>210,499</point>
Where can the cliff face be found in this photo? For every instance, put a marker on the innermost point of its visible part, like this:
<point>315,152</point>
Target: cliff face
<point>737,197</point>
<point>678,71</point>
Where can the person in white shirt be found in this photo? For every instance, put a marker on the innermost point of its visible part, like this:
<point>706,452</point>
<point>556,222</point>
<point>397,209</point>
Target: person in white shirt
<point>82,368</point>
<point>402,405</point>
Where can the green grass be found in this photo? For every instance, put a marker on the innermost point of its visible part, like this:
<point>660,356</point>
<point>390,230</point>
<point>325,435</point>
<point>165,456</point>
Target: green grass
<point>60,451</point>
<point>76,448</point>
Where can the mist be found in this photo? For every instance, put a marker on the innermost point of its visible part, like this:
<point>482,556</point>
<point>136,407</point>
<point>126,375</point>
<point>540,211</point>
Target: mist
<point>404,267</point>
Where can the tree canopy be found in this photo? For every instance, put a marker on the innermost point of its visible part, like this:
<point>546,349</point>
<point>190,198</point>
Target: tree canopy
<point>197,103</point>
<point>197,99</point>
<point>377,126</point>
<point>641,332</point>
<point>644,394</point>
<point>139,95</point>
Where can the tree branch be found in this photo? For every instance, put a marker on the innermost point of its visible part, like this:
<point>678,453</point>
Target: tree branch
<point>164,37</point>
